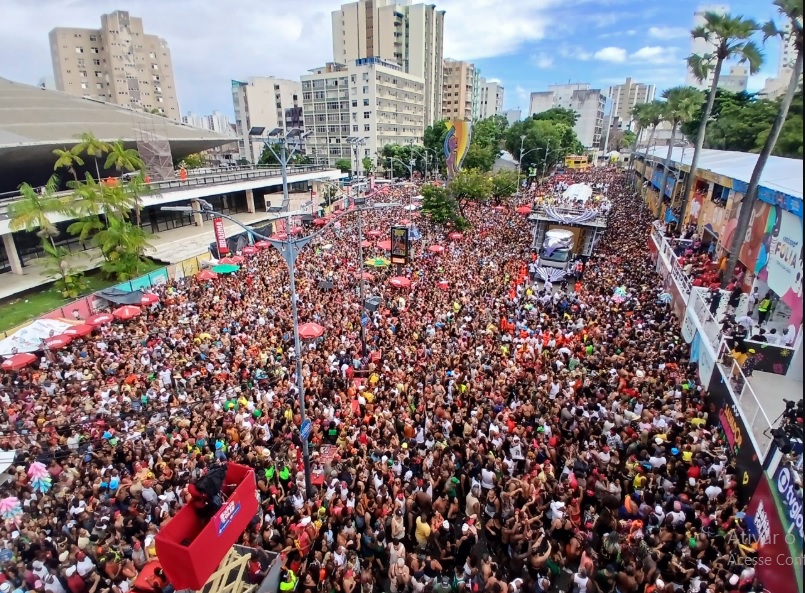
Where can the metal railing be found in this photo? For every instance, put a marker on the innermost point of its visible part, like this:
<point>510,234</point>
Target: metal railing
<point>746,399</point>
<point>227,175</point>
<point>683,280</point>
<point>538,211</point>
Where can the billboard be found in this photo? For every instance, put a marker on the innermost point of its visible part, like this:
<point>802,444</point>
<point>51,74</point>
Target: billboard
<point>220,236</point>
<point>399,245</point>
<point>456,145</point>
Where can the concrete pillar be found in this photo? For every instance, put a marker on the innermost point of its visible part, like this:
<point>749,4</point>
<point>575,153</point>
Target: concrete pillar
<point>250,200</point>
<point>198,219</point>
<point>13,257</point>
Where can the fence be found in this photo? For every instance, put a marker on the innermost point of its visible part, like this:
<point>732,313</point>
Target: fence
<point>90,304</point>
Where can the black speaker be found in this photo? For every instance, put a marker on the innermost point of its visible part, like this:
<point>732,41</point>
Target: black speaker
<point>372,304</point>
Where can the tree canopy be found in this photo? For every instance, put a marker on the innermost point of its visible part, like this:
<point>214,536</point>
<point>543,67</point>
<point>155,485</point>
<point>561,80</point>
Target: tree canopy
<point>545,140</point>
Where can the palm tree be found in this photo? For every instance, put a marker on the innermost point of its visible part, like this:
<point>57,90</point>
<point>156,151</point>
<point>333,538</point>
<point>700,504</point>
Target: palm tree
<point>681,105</point>
<point>88,144</point>
<point>35,209</point>
<point>730,38</point>
<point>67,160</point>
<point>643,117</point>
<point>791,10</point>
<point>123,246</point>
<point>655,115</point>
<point>123,159</point>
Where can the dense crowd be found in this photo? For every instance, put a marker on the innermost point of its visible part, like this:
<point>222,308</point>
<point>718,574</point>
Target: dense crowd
<point>495,436</point>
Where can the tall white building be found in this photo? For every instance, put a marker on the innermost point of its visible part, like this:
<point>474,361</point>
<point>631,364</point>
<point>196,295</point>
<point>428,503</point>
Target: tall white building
<point>370,98</point>
<point>411,35</point>
<point>195,120</point>
<point>264,102</point>
<point>512,115</point>
<point>624,97</point>
<point>491,98</point>
<point>776,87</point>
<point>219,122</point>
<point>736,80</point>
<point>588,103</point>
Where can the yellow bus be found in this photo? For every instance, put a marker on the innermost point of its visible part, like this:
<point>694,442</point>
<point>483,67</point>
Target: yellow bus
<point>575,161</point>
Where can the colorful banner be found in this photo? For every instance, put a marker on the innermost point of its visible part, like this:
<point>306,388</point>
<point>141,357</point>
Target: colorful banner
<point>775,198</point>
<point>399,245</point>
<point>456,145</point>
<point>776,511</point>
<point>220,236</point>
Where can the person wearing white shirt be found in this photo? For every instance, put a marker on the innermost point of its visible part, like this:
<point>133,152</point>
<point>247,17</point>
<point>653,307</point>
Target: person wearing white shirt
<point>713,490</point>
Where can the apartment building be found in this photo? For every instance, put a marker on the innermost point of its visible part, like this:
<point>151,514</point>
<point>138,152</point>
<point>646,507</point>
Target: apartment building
<point>588,103</point>
<point>491,98</point>
<point>264,102</point>
<point>624,97</point>
<point>370,98</point>
<point>776,87</point>
<point>118,63</point>
<point>410,35</point>
<point>461,96</point>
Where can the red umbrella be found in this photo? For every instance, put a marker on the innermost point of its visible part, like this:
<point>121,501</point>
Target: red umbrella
<point>374,234</point>
<point>523,210</point>
<point>400,282</point>
<point>436,249</point>
<point>126,312</point>
<point>320,222</point>
<point>58,342</point>
<point>367,276</point>
<point>443,284</point>
<point>262,244</point>
<point>384,245</point>
<point>79,331</point>
<point>149,299</point>
<point>205,275</point>
<point>455,236</point>
<point>227,261</point>
<point>280,236</point>
<point>366,244</point>
<point>297,230</point>
<point>18,361</point>
<point>249,250</point>
<point>100,319</point>
<point>310,331</point>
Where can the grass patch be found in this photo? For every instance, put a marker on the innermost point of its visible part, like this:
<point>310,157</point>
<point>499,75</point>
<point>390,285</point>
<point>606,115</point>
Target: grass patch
<point>29,305</point>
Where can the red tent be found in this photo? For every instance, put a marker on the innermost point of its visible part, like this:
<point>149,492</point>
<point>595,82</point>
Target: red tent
<point>262,244</point>
<point>366,244</point>
<point>523,210</point>
<point>126,312</point>
<point>79,331</point>
<point>436,249</point>
<point>455,236</point>
<point>297,230</point>
<point>367,276</point>
<point>320,222</point>
<point>58,342</point>
<point>250,250</point>
<point>18,361</point>
<point>384,245</point>
<point>400,282</point>
<point>205,275</point>
<point>190,549</point>
<point>280,236</point>
<point>374,234</point>
<point>149,299</point>
<point>100,319</point>
<point>310,331</point>
<point>235,260</point>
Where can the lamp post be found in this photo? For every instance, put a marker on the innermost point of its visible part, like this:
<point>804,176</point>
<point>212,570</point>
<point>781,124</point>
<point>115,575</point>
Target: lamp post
<point>280,137</point>
<point>425,156</point>
<point>520,163</point>
<point>355,142</point>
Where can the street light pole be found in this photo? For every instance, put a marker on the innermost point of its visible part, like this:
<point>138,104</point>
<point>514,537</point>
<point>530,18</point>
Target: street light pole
<point>520,163</point>
<point>361,295</point>
<point>281,137</point>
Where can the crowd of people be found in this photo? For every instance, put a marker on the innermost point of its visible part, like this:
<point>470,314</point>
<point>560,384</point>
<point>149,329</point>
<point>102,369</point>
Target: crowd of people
<point>493,437</point>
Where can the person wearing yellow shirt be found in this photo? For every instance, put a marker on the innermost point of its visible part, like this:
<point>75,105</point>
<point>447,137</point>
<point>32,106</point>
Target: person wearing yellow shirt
<point>422,530</point>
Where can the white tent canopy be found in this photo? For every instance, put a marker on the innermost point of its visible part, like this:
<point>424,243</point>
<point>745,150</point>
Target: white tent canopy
<point>580,192</point>
<point>29,338</point>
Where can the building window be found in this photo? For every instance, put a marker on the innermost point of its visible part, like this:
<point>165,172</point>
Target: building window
<point>365,90</point>
<point>354,128</point>
<point>154,67</point>
<point>96,62</point>
<point>367,114</point>
<point>367,128</point>
<point>354,102</point>
<point>79,50</point>
<point>94,50</point>
<point>93,38</point>
<point>98,73</point>
<point>82,73</point>
<point>84,85</point>
<point>366,102</point>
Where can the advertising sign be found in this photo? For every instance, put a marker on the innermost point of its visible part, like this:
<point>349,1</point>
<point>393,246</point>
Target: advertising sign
<point>220,236</point>
<point>224,518</point>
<point>399,245</point>
<point>785,255</point>
<point>706,362</point>
<point>689,326</point>
<point>776,511</point>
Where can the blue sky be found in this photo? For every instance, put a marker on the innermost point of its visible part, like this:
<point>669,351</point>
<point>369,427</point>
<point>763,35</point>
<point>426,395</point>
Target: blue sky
<point>526,44</point>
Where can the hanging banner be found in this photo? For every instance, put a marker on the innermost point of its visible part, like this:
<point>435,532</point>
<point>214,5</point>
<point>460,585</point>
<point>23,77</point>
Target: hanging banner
<point>456,145</point>
<point>399,245</point>
<point>220,236</point>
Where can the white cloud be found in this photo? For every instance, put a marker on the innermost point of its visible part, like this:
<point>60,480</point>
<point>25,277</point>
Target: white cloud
<point>523,96</point>
<point>575,53</point>
<point>611,54</point>
<point>668,32</point>
<point>542,60</point>
<point>656,55</point>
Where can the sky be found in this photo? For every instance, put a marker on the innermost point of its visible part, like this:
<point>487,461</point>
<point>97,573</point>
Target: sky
<point>524,44</point>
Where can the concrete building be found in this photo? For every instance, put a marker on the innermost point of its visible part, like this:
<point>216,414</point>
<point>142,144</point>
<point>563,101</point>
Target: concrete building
<point>48,83</point>
<point>461,94</point>
<point>370,98</point>
<point>411,35</point>
<point>264,102</point>
<point>512,115</point>
<point>491,98</point>
<point>623,99</point>
<point>736,80</point>
<point>776,87</point>
<point>588,103</point>
<point>118,63</point>
<point>195,120</point>
<point>219,122</point>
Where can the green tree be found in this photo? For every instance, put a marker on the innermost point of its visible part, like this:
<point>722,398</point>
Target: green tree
<point>433,140</point>
<point>193,161</point>
<point>470,185</point>
<point>791,11</point>
<point>123,246</point>
<point>558,114</point>
<point>367,164</point>
<point>628,138</point>
<point>88,144</point>
<point>68,159</point>
<point>504,184</point>
<point>730,38</point>
<point>480,157</point>
<point>345,165</point>
<point>69,280</point>
<point>438,205</point>
<point>789,143</point>
<point>544,142</point>
<point>680,106</point>
<point>123,159</point>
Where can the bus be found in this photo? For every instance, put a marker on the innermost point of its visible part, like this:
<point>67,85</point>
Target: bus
<point>577,162</point>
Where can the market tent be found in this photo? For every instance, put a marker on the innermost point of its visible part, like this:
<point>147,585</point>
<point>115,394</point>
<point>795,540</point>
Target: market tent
<point>580,192</point>
<point>121,297</point>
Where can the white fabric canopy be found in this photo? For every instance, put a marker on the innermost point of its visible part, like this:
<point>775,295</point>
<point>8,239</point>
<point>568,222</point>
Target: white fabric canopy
<point>29,338</point>
<point>578,191</point>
